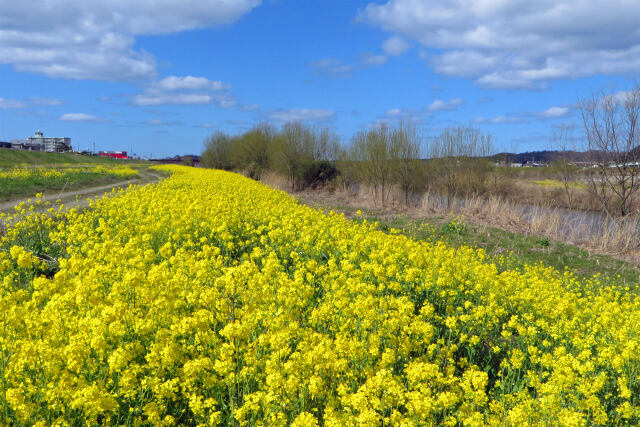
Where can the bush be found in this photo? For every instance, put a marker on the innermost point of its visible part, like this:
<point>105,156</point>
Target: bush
<point>319,173</point>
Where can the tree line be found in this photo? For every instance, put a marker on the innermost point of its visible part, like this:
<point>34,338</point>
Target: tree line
<point>383,157</point>
<point>303,154</point>
<point>455,163</point>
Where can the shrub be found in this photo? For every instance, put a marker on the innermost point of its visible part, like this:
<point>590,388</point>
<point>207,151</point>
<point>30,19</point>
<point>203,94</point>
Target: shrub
<point>320,173</point>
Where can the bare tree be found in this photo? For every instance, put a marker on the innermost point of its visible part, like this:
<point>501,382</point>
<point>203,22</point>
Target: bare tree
<point>217,151</point>
<point>327,145</point>
<point>611,124</point>
<point>565,171</point>
<point>371,151</point>
<point>458,160</point>
<point>300,147</point>
<point>291,150</point>
<point>253,150</point>
<point>408,168</point>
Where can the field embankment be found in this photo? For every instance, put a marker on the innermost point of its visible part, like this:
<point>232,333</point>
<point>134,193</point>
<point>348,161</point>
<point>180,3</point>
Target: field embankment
<point>79,197</point>
<point>210,298</point>
<point>10,158</point>
<point>23,182</point>
<point>25,173</point>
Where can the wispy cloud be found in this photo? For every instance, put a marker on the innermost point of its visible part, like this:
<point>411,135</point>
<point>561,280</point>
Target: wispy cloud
<point>395,46</point>
<point>440,105</point>
<point>300,114</point>
<point>204,126</point>
<point>157,122</point>
<point>398,114</point>
<point>155,99</point>
<point>80,117</point>
<point>333,67</point>
<point>6,104</point>
<point>501,120</point>
<point>371,60</point>
<point>46,102</point>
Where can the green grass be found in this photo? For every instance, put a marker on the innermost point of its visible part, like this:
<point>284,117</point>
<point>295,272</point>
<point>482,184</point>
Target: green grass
<point>10,158</point>
<point>508,249</point>
<point>25,182</point>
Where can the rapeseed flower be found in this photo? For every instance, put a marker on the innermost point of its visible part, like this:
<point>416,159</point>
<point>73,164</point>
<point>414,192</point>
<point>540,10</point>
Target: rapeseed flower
<point>211,299</point>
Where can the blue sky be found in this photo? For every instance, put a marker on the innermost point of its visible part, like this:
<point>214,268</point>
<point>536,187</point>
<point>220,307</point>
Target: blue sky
<point>157,77</point>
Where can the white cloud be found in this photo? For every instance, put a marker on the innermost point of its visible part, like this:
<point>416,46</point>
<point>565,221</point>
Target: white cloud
<point>619,97</point>
<point>395,46</point>
<point>189,90</point>
<point>250,107</point>
<point>156,122</point>
<point>440,105</point>
<point>6,104</point>
<point>95,39</point>
<point>332,67</point>
<point>190,83</point>
<point>372,60</point>
<point>80,117</point>
<point>517,43</point>
<point>225,100</point>
<point>148,99</point>
<point>302,115</point>
<point>46,102</point>
<point>554,112</point>
<point>400,114</point>
<point>501,120</point>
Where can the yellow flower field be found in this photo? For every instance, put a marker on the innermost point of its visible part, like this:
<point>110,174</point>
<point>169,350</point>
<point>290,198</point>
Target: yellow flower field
<point>211,299</point>
<point>55,173</point>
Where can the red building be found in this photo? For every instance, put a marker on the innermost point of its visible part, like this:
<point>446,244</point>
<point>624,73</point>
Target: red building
<point>114,154</point>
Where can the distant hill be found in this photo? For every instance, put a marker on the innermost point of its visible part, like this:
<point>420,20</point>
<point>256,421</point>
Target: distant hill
<point>547,156</point>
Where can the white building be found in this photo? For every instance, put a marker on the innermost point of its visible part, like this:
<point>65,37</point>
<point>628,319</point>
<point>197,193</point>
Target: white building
<point>50,144</point>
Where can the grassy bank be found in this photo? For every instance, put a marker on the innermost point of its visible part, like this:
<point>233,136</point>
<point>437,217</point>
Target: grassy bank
<point>10,158</point>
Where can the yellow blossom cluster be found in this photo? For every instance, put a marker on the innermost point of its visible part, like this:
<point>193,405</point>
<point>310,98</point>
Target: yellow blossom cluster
<point>24,174</point>
<point>211,299</point>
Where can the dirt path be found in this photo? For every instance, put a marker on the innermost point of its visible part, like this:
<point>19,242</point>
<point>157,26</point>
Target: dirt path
<point>78,198</point>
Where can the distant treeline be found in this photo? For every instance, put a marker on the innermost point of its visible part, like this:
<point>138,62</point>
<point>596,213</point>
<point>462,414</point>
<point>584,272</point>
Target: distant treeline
<point>457,163</point>
<point>381,157</point>
<point>551,156</point>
